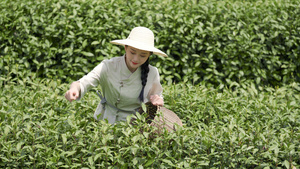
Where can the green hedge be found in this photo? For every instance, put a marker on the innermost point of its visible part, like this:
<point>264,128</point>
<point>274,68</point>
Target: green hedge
<point>219,42</point>
<point>244,128</point>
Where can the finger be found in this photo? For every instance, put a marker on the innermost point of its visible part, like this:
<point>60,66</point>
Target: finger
<point>75,95</point>
<point>152,96</point>
<point>155,102</point>
<point>160,102</point>
<point>72,96</point>
<point>68,96</point>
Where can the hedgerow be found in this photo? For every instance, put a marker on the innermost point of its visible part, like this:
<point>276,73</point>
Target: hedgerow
<point>244,128</point>
<point>224,43</point>
<point>240,46</point>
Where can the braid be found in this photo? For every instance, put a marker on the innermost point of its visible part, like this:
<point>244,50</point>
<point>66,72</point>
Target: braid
<point>144,76</point>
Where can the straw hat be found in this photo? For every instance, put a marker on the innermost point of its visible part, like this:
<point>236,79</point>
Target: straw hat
<point>141,38</point>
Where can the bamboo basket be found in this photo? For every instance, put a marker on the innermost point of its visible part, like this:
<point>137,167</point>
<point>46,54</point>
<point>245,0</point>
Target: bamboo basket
<point>161,117</point>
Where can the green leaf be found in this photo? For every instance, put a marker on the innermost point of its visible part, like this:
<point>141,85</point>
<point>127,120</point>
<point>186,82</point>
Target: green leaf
<point>84,44</point>
<point>134,161</point>
<point>6,49</point>
<point>69,153</point>
<point>19,145</point>
<point>286,164</point>
<point>149,162</point>
<point>90,159</point>
<point>95,42</point>
<point>64,138</point>
<point>168,162</point>
<point>203,163</point>
<point>89,54</point>
<point>97,156</point>
<point>144,107</point>
<point>7,130</point>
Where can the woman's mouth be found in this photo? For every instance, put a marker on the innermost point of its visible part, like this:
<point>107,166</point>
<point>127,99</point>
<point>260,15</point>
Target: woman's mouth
<point>134,63</point>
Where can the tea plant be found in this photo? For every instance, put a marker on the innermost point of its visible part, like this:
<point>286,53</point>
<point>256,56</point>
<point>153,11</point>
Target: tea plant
<point>241,128</point>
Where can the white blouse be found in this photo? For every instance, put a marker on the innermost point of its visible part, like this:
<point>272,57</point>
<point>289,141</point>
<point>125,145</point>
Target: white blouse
<point>120,87</point>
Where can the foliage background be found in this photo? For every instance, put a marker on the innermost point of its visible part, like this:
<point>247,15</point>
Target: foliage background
<point>224,43</point>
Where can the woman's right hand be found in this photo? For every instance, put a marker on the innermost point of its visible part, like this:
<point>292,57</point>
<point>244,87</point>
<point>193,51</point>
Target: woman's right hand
<point>74,91</point>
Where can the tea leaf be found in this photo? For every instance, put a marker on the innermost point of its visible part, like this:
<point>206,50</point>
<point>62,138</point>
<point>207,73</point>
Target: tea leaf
<point>64,138</point>
<point>149,162</point>
<point>89,54</point>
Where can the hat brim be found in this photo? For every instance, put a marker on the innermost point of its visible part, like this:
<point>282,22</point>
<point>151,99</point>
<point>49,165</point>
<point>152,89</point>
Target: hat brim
<point>140,46</point>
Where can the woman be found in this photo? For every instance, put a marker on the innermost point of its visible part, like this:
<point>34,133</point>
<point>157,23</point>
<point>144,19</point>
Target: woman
<point>126,81</point>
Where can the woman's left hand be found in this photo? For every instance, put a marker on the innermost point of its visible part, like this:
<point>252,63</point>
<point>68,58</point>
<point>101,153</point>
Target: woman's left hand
<point>156,100</point>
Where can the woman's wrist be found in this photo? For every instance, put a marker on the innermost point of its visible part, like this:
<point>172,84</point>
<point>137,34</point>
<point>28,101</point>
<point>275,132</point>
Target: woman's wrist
<point>75,85</point>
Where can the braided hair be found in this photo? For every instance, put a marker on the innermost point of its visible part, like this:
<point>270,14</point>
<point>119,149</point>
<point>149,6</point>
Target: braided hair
<point>144,76</point>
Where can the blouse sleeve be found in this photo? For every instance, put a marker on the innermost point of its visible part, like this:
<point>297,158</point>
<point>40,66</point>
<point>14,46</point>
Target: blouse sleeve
<point>92,79</point>
<point>156,87</point>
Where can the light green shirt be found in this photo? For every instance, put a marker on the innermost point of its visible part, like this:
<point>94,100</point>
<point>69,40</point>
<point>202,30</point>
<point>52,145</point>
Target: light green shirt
<point>120,87</point>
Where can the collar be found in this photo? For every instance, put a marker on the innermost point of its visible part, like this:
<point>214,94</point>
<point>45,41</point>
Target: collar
<point>125,68</point>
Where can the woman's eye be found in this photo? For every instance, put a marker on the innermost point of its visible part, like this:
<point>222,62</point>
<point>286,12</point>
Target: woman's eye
<point>132,53</point>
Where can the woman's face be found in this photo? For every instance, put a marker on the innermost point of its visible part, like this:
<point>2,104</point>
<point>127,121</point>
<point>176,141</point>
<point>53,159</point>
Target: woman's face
<point>135,57</point>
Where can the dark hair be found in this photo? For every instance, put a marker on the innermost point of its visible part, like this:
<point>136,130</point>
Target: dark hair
<point>144,76</point>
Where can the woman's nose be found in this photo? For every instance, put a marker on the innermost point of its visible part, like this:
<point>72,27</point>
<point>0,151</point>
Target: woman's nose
<point>135,57</point>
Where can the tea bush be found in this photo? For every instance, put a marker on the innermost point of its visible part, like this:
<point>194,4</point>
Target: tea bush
<point>223,43</point>
<point>245,128</point>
